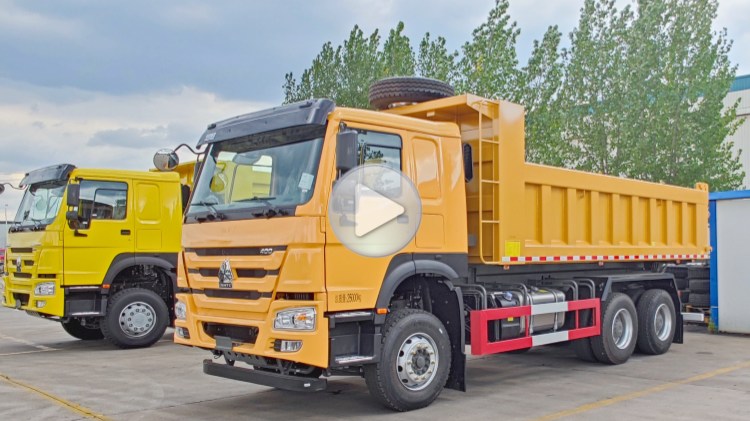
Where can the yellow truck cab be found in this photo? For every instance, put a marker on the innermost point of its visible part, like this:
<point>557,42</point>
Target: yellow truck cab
<point>506,254</point>
<point>96,249</point>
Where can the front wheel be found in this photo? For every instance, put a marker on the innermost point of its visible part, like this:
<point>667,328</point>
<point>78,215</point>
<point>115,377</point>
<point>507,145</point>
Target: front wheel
<point>414,361</point>
<point>136,318</point>
<point>76,329</point>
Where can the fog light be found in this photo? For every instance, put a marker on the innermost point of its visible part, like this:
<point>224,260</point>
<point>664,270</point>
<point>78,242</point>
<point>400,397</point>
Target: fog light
<point>44,288</point>
<point>281,345</point>
<point>183,332</point>
<point>180,310</point>
<point>40,303</point>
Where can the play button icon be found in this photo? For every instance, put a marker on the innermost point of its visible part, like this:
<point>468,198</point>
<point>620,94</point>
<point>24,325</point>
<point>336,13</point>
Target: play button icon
<point>374,210</point>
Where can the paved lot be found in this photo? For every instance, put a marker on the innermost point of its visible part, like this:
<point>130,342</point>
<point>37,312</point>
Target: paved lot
<point>46,375</point>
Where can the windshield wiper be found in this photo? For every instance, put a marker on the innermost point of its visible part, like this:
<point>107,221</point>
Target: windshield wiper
<point>212,213</point>
<point>271,209</point>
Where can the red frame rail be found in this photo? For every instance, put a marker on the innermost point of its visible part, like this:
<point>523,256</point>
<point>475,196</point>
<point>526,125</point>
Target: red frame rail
<point>480,344</point>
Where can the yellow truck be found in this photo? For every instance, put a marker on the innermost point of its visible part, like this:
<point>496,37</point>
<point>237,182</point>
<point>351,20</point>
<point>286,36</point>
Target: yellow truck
<point>97,251</point>
<point>506,255</point>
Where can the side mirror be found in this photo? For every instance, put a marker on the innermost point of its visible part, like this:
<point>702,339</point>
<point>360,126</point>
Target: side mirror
<point>166,160</point>
<point>74,194</point>
<point>346,150</point>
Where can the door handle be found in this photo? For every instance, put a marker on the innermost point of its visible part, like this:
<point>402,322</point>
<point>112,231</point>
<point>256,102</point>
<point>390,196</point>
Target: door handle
<point>125,232</point>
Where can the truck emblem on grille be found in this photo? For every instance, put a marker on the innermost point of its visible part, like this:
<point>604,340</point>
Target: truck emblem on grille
<point>266,251</point>
<point>18,264</point>
<point>225,275</point>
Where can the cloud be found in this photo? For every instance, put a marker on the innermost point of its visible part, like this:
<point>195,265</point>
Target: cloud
<point>14,19</point>
<point>45,126</point>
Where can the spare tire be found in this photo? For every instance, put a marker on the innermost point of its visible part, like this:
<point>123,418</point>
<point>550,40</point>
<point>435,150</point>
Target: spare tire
<point>394,90</point>
<point>700,300</point>
<point>700,285</point>
<point>699,272</point>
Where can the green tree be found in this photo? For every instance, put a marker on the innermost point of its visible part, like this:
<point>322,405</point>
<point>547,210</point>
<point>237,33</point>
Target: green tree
<point>397,57</point>
<point>539,92</point>
<point>673,118</point>
<point>434,60</point>
<point>593,87</point>
<point>489,65</point>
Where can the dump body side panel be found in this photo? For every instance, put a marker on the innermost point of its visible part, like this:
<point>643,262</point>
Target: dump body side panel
<point>536,214</point>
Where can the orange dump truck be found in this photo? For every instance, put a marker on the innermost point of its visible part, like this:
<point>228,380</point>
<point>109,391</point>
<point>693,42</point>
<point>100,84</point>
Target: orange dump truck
<point>506,255</point>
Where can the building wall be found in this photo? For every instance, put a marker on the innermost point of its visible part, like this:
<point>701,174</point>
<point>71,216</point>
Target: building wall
<point>741,90</point>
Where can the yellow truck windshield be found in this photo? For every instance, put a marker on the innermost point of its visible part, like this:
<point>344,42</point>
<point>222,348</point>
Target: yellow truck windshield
<point>241,180</point>
<point>39,205</point>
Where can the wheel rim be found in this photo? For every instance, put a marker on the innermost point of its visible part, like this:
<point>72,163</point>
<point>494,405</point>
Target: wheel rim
<point>663,322</point>
<point>622,328</point>
<point>137,319</point>
<point>417,361</point>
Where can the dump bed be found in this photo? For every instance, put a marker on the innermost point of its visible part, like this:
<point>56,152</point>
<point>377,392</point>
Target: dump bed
<point>539,214</point>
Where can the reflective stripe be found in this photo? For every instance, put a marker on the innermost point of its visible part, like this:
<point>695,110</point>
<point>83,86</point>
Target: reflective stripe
<point>625,257</point>
<point>549,308</point>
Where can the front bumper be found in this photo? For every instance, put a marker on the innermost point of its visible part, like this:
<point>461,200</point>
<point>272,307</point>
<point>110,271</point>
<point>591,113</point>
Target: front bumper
<point>280,381</point>
<point>314,351</point>
<point>19,294</point>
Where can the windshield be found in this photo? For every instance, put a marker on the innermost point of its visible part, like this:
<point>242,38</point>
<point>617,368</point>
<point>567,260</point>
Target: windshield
<point>247,178</point>
<point>40,204</point>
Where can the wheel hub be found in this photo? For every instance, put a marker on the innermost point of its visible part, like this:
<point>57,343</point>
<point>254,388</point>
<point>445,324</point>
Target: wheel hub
<point>417,361</point>
<point>622,328</point>
<point>663,322</point>
<point>137,319</point>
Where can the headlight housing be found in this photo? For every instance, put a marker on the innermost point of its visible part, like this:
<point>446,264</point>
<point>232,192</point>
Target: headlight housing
<point>302,318</point>
<point>180,310</point>
<point>44,288</point>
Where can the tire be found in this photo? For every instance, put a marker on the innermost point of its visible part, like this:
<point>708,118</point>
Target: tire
<point>619,318</point>
<point>702,286</point>
<point>82,332</point>
<point>583,350</point>
<point>682,283</point>
<point>702,272</point>
<point>679,272</point>
<point>410,331</point>
<point>657,322</point>
<point>700,299</point>
<point>147,312</point>
<point>394,90</point>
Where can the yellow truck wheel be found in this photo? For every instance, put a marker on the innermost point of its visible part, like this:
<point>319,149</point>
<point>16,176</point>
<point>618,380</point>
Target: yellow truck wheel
<point>657,322</point>
<point>76,329</point>
<point>136,318</point>
<point>414,361</point>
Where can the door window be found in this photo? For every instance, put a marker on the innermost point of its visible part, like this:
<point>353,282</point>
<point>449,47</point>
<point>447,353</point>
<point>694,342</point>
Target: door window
<point>102,200</point>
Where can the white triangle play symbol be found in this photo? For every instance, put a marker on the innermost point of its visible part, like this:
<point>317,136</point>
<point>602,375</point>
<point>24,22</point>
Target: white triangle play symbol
<point>372,210</point>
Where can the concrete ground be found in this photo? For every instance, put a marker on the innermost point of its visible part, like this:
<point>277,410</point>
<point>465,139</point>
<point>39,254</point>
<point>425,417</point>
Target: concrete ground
<point>47,375</point>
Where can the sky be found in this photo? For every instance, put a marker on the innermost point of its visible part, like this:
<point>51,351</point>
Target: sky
<point>106,84</point>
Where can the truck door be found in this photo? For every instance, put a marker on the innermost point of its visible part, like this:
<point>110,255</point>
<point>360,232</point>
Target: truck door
<point>347,288</point>
<point>105,231</point>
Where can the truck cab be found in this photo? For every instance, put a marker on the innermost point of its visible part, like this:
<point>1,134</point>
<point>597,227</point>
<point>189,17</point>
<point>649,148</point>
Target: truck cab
<point>96,250</point>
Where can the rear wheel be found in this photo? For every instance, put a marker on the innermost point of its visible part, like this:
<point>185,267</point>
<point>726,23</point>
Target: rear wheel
<point>135,318</point>
<point>414,362</point>
<point>656,322</point>
<point>76,329</point>
<point>619,329</point>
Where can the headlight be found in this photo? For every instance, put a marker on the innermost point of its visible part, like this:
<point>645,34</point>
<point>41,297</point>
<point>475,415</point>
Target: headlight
<point>180,310</point>
<point>295,319</point>
<point>44,288</point>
